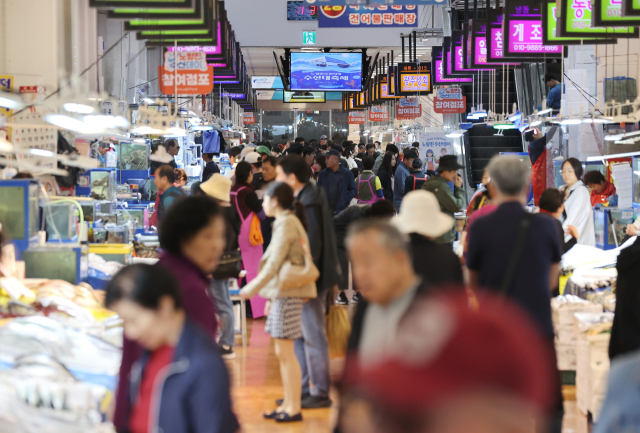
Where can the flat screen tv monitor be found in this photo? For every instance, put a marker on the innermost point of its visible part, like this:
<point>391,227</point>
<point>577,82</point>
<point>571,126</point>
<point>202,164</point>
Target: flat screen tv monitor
<point>308,97</point>
<point>331,72</point>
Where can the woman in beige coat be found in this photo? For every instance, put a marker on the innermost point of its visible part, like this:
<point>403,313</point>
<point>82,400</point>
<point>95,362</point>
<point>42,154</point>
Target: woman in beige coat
<point>284,322</point>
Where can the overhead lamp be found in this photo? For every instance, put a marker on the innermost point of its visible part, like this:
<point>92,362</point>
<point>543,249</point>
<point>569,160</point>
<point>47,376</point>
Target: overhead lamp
<point>106,122</point>
<point>571,121</point>
<point>601,120</point>
<point>67,122</point>
<point>615,137</point>
<point>10,101</point>
<point>535,123</point>
<point>504,125</point>
<point>72,107</point>
<point>545,111</point>
<point>617,155</point>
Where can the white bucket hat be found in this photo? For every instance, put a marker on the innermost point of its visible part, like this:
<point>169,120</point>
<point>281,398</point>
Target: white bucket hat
<point>218,187</point>
<point>420,213</point>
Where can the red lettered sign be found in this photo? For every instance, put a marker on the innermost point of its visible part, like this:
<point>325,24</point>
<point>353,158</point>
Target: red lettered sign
<point>378,113</point>
<point>406,113</point>
<point>356,117</point>
<point>194,76</point>
<point>449,106</point>
<point>249,119</point>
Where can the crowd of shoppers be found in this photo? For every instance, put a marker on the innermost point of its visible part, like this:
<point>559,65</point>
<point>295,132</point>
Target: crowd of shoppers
<point>309,228</point>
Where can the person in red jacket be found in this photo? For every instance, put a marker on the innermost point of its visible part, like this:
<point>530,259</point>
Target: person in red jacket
<point>602,190</point>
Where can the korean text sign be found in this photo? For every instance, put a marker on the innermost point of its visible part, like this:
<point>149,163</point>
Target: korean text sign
<point>449,100</point>
<point>576,20</point>
<point>356,118</point>
<point>408,109</point>
<point>249,119</point>
<point>523,31</point>
<point>193,75</point>
<point>409,80</point>
<point>368,16</point>
<point>378,113</point>
<point>326,71</point>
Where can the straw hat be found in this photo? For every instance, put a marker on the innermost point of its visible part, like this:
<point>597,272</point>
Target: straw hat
<point>420,213</point>
<point>218,187</point>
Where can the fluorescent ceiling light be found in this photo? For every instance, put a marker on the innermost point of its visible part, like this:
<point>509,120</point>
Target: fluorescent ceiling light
<point>548,110</point>
<point>617,155</point>
<point>615,137</point>
<point>571,121</point>
<point>67,122</point>
<point>9,101</point>
<point>78,108</point>
<point>41,152</point>
<point>536,123</point>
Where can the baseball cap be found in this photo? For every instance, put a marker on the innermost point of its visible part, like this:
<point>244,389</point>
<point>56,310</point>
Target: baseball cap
<point>246,151</point>
<point>263,149</point>
<point>323,137</point>
<point>253,158</point>
<point>445,349</point>
<point>333,152</point>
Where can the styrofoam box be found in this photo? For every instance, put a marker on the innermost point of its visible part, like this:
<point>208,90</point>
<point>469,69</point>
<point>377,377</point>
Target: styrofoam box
<point>565,334</point>
<point>564,316</point>
<point>566,354</point>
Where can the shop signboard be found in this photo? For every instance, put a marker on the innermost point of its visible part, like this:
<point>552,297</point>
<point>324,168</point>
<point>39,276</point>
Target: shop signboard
<point>447,62</point>
<point>249,118</point>
<point>411,82</point>
<point>383,88</point>
<point>408,108</point>
<point>551,32</point>
<point>609,13</point>
<point>208,49</point>
<point>378,113</point>
<point>576,21</point>
<point>523,31</point>
<point>368,16</point>
<point>374,2</point>
<point>6,84</point>
<point>193,75</point>
<point>630,8</point>
<point>433,146</point>
<point>449,100</point>
<point>356,118</point>
<point>268,82</point>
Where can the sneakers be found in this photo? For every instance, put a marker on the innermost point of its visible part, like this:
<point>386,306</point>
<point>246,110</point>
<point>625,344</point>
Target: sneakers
<point>342,299</point>
<point>357,297</point>
<point>227,352</point>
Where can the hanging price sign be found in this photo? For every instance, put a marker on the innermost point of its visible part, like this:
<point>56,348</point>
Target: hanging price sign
<point>378,113</point>
<point>356,118</point>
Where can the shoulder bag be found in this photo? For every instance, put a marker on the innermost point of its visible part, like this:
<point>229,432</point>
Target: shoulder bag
<point>229,265</point>
<point>295,276</point>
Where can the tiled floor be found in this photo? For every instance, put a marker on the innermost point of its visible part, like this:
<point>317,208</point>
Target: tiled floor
<point>256,385</point>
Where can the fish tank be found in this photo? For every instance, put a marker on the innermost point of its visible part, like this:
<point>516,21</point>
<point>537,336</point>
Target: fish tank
<point>103,184</point>
<point>139,217</point>
<point>57,261</point>
<point>19,209</point>
<point>60,221</point>
<point>133,156</point>
<point>621,217</point>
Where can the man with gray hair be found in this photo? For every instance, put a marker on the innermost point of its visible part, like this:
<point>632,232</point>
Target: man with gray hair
<point>383,272</point>
<point>516,253</point>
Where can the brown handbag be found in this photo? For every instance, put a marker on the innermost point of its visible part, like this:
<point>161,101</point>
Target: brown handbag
<point>295,276</point>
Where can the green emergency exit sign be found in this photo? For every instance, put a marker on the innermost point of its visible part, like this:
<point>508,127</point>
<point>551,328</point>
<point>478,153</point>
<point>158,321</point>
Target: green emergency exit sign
<point>308,38</point>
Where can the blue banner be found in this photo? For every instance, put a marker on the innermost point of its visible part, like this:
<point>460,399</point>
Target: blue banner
<point>368,16</point>
<point>373,2</point>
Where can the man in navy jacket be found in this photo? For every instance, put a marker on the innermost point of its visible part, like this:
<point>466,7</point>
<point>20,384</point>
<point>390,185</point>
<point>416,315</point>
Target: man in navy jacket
<point>338,183</point>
